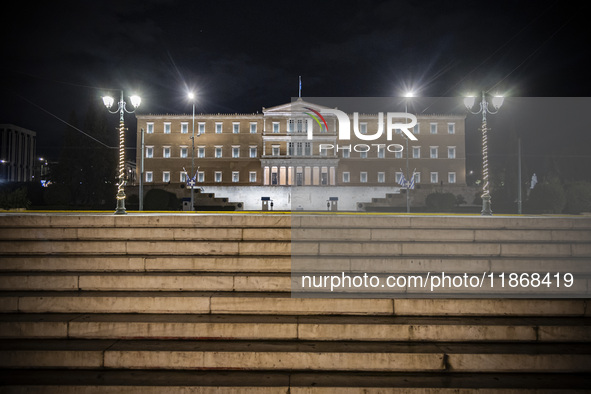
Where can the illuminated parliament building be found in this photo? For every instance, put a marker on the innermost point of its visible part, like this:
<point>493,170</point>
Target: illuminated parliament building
<point>291,157</point>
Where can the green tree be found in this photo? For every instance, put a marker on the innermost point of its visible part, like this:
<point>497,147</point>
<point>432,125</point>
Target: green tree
<point>548,197</point>
<point>578,197</point>
<point>87,164</point>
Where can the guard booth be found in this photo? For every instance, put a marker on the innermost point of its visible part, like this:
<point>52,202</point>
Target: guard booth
<point>332,204</point>
<point>267,204</point>
<point>187,204</point>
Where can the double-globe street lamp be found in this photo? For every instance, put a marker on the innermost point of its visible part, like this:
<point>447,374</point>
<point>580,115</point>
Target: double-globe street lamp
<point>497,102</point>
<point>121,109</point>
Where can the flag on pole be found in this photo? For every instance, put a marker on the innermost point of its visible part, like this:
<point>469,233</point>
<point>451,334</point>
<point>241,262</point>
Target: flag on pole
<point>300,91</point>
<point>412,179</point>
<point>402,180</point>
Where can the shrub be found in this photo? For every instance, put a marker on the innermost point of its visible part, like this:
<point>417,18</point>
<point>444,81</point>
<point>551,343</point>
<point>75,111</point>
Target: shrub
<point>440,202</point>
<point>57,194</point>
<point>546,198</point>
<point>161,200</point>
<point>14,199</point>
<point>578,197</point>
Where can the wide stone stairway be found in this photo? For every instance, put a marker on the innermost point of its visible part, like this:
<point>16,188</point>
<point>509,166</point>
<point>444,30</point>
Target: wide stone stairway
<point>201,303</point>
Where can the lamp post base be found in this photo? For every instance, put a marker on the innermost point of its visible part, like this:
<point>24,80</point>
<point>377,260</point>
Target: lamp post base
<point>486,206</point>
<point>120,205</point>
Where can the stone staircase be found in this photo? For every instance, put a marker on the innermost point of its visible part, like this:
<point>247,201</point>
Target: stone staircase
<point>194,303</point>
<point>205,201</point>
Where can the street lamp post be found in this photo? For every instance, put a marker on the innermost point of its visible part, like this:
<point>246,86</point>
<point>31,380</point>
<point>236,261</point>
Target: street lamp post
<point>408,95</point>
<point>192,183</point>
<point>121,109</point>
<point>497,102</point>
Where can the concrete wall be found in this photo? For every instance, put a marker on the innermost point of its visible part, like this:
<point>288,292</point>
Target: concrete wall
<point>308,198</point>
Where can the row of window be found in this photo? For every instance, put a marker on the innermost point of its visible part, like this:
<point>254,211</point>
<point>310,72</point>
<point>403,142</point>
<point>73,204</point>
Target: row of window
<point>298,149</point>
<point>293,126</point>
<point>346,177</point>
<point>200,127</point>
<point>252,176</point>
<point>184,152</point>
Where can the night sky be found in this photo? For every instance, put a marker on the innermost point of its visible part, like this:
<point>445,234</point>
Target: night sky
<point>239,56</point>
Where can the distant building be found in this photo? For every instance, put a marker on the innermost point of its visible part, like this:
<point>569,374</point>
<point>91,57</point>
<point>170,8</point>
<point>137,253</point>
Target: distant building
<point>17,153</point>
<point>245,157</point>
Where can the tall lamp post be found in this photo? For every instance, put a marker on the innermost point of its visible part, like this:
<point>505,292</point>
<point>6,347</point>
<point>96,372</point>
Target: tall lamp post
<point>121,109</point>
<point>191,181</point>
<point>408,96</point>
<point>497,102</point>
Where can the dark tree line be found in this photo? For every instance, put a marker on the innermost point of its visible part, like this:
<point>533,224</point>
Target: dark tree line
<point>85,175</point>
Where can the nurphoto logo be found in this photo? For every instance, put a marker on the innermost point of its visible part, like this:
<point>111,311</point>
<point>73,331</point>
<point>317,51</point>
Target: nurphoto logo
<point>344,133</point>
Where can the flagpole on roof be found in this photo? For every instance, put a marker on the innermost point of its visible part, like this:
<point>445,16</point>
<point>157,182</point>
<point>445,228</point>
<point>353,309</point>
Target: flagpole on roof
<point>300,90</point>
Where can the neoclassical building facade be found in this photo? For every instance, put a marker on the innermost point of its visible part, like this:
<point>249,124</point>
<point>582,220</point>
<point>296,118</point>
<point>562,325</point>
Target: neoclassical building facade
<point>294,146</point>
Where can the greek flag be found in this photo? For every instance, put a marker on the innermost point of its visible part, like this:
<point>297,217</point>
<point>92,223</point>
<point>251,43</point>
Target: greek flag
<point>412,180</point>
<point>402,180</point>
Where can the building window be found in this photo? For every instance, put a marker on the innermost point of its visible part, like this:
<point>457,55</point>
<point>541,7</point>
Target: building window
<point>363,128</point>
<point>252,176</point>
<point>290,126</point>
<point>218,176</point>
<point>166,127</point>
<point>218,128</point>
<point>235,152</point>
<point>324,176</point>
<point>451,152</point>
<point>183,177</point>
<point>275,127</point>
<point>363,155</point>
<point>184,128</point>
<point>308,149</point>
<point>451,128</point>
<point>433,128</point>
<point>235,176</point>
<point>434,177</point>
<point>416,129</point>
<point>201,176</point>
<point>346,177</point>
<point>399,178</point>
<point>300,126</point>
<point>253,151</point>
<point>323,151</point>
<point>381,177</point>
<point>236,128</point>
<point>451,177</point>
<point>201,152</point>
<point>398,154</point>
<point>201,128</point>
<point>166,152</point>
<point>150,128</point>
<point>346,152</point>
<point>184,151</point>
<point>149,176</point>
<point>218,152</point>
<point>149,152</point>
<point>363,177</point>
<point>433,152</point>
<point>381,152</point>
<point>165,176</point>
<point>253,128</point>
<point>416,152</point>
<point>275,150</point>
